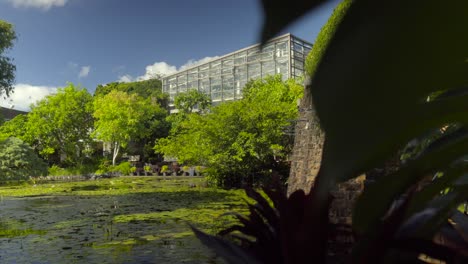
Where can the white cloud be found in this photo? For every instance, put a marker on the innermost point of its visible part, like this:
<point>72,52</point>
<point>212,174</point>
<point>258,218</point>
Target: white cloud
<point>158,68</point>
<point>41,4</point>
<point>192,62</point>
<point>125,78</point>
<point>84,71</point>
<point>163,68</point>
<point>25,94</point>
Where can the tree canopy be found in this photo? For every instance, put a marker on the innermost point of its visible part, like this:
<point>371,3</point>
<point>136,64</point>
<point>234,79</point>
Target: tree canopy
<point>18,161</point>
<point>192,100</point>
<point>238,141</point>
<point>121,117</point>
<point>7,69</point>
<point>151,88</point>
<point>60,124</point>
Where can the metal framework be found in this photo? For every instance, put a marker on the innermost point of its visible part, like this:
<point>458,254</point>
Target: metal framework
<point>223,78</point>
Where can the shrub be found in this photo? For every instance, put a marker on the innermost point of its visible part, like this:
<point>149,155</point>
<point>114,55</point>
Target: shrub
<point>164,169</point>
<point>124,168</point>
<point>18,161</point>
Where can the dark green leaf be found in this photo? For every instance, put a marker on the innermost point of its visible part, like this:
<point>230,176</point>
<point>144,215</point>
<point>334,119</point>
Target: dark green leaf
<point>279,14</point>
<point>227,250</point>
<point>370,87</point>
<point>380,195</point>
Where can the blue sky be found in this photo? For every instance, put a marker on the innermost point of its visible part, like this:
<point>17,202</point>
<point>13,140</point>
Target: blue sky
<point>92,42</point>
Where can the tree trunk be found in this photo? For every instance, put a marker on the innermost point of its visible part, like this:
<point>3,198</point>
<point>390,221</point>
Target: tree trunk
<point>116,152</point>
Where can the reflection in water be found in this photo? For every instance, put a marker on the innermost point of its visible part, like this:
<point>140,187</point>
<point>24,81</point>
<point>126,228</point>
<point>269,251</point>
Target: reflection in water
<point>77,229</point>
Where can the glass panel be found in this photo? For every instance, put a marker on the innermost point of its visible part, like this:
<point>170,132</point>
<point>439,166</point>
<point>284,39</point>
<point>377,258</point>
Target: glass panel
<point>282,49</point>
<point>172,84</point>
<point>182,88</point>
<point>215,72</point>
<point>181,78</point>
<point>297,47</point>
<point>240,72</point>
<point>227,71</point>
<point>283,68</point>
<point>216,96</point>
<point>228,95</point>
<point>215,84</point>
<point>228,83</point>
<point>254,70</point>
<point>298,55</point>
<point>228,62</point>
<point>298,64</point>
<point>254,55</point>
<point>268,68</point>
<point>215,69</point>
<point>205,86</point>
<point>193,84</point>
<point>239,61</point>
<point>268,52</point>
<point>215,64</point>
<point>203,74</point>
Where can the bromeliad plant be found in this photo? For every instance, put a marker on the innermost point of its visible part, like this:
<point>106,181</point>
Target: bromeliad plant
<point>390,72</point>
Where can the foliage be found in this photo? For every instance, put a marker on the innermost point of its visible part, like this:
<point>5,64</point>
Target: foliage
<point>60,124</point>
<point>157,125</point>
<point>84,169</point>
<point>241,141</point>
<point>16,127</point>
<point>164,168</point>
<point>18,161</point>
<point>146,89</point>
<point>7,69</point>
<point>188,103</point>
<point>192,100</point>
<point>324,37</point>
<point>104,166</point>
<point>124,168</point>
<point>121,117</point>
<point>377,60</point>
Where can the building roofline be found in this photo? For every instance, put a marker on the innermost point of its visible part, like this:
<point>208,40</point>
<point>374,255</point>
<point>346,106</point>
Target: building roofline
<point>237,51</point>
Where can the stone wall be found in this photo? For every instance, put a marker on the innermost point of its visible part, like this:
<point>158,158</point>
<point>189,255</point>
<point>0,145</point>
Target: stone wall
<point>307,150</point>
<point>305,163</point>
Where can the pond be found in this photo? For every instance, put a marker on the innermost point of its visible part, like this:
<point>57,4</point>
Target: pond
<point>120,220</point>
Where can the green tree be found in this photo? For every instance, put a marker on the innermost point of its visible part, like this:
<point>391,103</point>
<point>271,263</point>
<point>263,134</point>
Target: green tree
<point>60,124</point>
<point>7,69</point>
<point>192,100</point>
<point>121,117</point>
<point>151,88</point>
<point>240,141</point>
<point>18,161</point>
<point>16,127</point>
<point>186,103</point>
<point>370,91</point>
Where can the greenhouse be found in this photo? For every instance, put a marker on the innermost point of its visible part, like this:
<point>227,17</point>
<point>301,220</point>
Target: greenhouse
<point>223,78</point>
